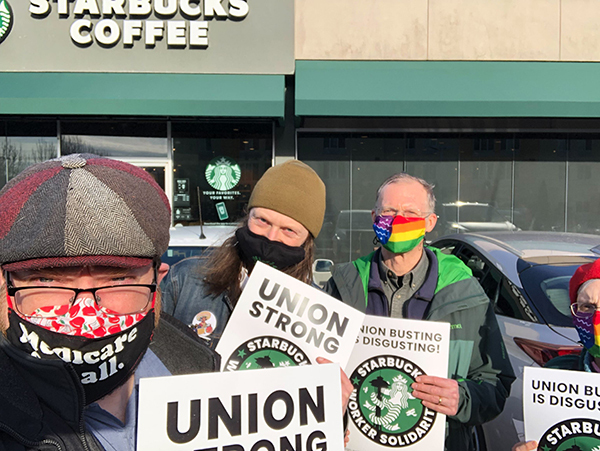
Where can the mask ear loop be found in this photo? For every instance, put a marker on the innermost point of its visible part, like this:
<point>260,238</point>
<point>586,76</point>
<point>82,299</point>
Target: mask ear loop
<point>8,282</point>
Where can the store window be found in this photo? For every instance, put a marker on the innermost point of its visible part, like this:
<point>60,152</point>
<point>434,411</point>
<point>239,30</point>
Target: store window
<point>483,182</point>
<point>583,205</point>
<point>216,166</point>
<point>23,143</point>
<point>540,183</point>
<point>115,139</point>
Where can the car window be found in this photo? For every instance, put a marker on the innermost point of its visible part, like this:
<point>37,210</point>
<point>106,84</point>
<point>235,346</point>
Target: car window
<point>448,249</point>
<point>547,286</point>
<point>506,298</point>
<point>176,253</point>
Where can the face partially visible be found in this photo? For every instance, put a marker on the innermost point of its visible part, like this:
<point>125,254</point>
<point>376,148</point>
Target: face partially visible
<point>588,297</point>
<point>405,198</point>
<point>277,227</point>
<point>75,277</point>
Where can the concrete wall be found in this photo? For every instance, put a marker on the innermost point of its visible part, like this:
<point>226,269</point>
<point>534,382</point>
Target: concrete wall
<point>517,30</point>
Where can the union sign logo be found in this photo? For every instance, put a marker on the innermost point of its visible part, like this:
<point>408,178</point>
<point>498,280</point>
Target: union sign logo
<point>6,19</point>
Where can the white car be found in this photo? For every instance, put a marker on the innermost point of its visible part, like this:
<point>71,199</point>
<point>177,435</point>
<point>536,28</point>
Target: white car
<point>526,276</point>
<point>190,241</point>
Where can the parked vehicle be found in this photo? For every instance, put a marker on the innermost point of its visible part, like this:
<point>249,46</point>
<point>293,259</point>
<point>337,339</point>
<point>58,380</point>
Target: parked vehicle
<point>190,241</point>
<point>526,276</point>
<point>463,217</point>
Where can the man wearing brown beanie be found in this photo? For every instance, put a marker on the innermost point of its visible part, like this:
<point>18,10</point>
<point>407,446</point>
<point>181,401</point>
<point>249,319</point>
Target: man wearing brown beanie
<point>80,244</point>
<point>285,215</point>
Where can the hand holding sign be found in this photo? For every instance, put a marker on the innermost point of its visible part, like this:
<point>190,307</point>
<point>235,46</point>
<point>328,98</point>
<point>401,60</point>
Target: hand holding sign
<point>437,393</point>
<point>525,446</point>
<point>347,386</point>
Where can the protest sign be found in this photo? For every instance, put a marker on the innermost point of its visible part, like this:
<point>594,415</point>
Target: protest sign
<point>562,409</point>
<point>298,408</point>
<point>279,321</point>
<point>389,355</point>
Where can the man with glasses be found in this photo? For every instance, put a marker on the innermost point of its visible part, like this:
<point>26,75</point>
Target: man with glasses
<point>405,279</point>
<point>80,245</point>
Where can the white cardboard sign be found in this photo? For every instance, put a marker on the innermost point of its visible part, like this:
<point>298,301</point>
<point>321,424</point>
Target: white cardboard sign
<point>562,409</point>
<point>279,321</point>
<point>292,408</point>
<point>389,354</point>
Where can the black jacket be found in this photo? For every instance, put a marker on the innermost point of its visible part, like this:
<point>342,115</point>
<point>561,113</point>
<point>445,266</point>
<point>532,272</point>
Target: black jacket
<point>46,413</point>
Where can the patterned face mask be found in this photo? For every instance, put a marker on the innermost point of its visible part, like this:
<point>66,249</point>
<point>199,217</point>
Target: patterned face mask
<point>399,234</point>
<point>588,328</point>
<point>83,318</point>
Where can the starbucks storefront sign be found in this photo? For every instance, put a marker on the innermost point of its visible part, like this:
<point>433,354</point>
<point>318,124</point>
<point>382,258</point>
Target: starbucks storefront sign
<point>224,36</point>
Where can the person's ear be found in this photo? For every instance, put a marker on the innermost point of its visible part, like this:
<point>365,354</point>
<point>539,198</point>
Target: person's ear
<point>162,272</point>
<point>430,222</point>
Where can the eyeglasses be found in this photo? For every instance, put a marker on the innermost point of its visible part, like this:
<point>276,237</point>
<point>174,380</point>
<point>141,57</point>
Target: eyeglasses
<point>406,213</point>
<point>113,300</point>
<point>583,311</point>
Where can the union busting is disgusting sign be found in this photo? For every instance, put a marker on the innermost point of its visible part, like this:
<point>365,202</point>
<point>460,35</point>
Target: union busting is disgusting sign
<point>562,409</point>
<point>389,355</point>
<point>279,321</point>
<point>289,409</point>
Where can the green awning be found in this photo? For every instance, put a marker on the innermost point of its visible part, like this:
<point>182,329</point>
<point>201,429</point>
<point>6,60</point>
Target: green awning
<point>142,94</point>
<point>447,89</point>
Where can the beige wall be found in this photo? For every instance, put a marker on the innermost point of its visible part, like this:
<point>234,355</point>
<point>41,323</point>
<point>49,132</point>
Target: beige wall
<point>527,30</point>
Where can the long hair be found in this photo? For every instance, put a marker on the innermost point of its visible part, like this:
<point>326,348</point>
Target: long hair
<point>222,268</point>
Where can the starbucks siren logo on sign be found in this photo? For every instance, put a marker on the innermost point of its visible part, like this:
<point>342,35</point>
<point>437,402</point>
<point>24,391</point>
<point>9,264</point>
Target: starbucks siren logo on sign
<point>382,406</point>
<point>6,19</point>
<point>223,173</point>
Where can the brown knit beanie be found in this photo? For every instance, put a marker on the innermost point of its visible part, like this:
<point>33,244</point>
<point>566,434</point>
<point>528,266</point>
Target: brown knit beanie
<point>292,189</point>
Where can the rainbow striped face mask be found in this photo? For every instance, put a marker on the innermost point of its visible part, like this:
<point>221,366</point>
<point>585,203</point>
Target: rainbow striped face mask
<point>588,328</point>
<point>399,234</point>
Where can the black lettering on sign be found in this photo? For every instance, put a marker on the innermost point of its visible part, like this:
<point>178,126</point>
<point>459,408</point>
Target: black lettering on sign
<point>172,419</point>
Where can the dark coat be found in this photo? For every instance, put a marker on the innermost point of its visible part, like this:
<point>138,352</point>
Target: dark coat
<point>46,413</point>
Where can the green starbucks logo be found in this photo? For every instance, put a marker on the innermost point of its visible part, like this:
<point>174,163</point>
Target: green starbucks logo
<point>577,434</point>
<point>266,352</point>
<point>223,173</point>
<point>382,407</point>
<point>6,19</point>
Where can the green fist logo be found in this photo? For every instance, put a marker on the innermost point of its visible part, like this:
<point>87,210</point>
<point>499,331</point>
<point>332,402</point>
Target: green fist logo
<point>6,19</point>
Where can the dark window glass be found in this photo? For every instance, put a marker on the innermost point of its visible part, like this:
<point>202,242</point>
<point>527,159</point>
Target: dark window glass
<point>117,139</point>
<point>540,183</point>
<point>329,156</point>
<point>23,143</point>
<point>548,288</point>
<point>222,162</point>
<point>583,207</point>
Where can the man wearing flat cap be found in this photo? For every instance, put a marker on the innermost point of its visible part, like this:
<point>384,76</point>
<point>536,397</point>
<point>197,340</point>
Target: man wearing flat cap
<point>80,244</point>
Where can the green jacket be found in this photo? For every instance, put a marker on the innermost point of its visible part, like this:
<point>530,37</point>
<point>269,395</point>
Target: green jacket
<point>478,358</point>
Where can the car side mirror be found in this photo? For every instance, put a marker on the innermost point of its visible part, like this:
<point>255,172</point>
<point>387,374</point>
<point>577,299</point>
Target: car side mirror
<point>322,265</point>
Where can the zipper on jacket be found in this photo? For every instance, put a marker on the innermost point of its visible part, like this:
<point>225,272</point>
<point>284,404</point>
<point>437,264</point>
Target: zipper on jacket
<point>29,443</point>
<point>79,388</point>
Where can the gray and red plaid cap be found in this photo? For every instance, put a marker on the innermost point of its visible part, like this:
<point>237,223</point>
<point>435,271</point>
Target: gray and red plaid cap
<point>82,210</point>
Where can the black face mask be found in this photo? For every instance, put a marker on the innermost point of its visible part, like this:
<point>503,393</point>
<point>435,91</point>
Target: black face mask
<point>257,248</point>
<point>102,364</point>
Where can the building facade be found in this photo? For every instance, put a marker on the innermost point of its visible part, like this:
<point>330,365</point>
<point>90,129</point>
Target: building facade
<point>496,103</point>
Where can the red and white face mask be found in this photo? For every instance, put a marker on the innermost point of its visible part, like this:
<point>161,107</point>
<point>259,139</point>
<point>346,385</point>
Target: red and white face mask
<point>83,318</point>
